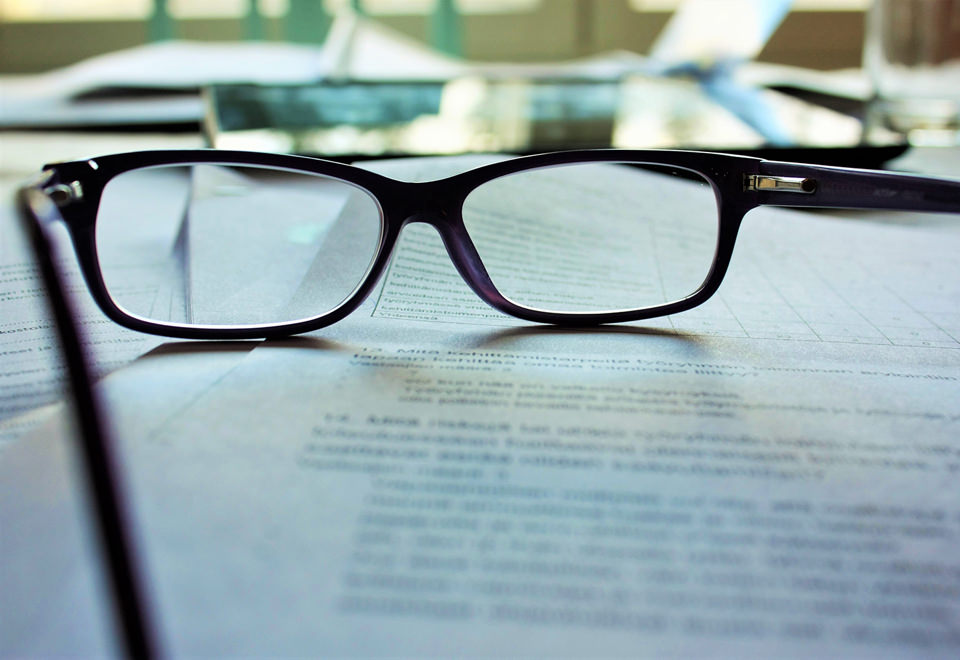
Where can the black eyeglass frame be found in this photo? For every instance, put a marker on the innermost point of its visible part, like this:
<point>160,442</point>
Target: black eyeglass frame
<point>740,183</point>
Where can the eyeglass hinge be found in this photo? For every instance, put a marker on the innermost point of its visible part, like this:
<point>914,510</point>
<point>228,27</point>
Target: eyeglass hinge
<point>64,193</point>
<point>793,184</point>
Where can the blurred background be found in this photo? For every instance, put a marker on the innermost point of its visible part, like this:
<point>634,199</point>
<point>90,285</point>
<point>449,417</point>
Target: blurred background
<point>38,35</point>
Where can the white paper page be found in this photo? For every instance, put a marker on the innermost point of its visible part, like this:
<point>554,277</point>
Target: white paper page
<point>480,493</point>
<point>57,98</point>
<point>787,487</point>
<point>52,582</point>
<point>774,475</point>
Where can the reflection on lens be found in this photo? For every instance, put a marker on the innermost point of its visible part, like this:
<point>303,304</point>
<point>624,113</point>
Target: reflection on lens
<point>213,244</point>
<point>595,237</point>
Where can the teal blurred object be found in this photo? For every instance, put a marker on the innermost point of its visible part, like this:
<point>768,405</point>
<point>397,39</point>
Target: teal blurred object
<point>306,22</point>
<point>253,23</point>
<point>160,27</point>
<point>445,28</point>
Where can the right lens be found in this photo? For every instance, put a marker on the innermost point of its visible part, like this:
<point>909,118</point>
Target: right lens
<point>595,237</point>
<point>230,245</point>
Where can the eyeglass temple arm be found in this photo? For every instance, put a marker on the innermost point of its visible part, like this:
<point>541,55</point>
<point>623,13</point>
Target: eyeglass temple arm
<point>791,184</point>
<point>99,463</point>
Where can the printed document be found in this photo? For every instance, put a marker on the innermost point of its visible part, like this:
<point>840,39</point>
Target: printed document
<point>773,474</point>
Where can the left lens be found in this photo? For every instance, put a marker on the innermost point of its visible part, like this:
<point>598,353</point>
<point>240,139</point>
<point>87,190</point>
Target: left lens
<point>230,245</point>
<point>595,237</point>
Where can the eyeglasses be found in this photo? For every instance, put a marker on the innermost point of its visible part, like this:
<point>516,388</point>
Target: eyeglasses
<point>230,245</point>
